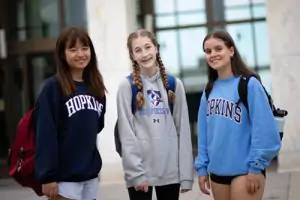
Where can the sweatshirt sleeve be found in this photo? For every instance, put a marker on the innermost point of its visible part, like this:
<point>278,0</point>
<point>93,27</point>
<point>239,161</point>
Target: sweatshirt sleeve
<point>202,160</point>
<point>265,140</point>
<point>102,117</point>
<point>46,148</point>
<point>182,123</point>
<point>131,152</point>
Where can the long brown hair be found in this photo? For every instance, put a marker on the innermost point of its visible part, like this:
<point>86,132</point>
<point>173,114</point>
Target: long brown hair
<point>136,70</point>
<point>238,66</point>
<point>91,75</point>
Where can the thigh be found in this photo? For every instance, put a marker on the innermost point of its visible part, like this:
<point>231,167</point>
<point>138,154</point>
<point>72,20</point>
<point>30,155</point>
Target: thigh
<point>239,189</point>
<point>90,189</point>
<point>139,195</point>
<point>170,192</point>
<point>220,191</point>
<point>70,190</point>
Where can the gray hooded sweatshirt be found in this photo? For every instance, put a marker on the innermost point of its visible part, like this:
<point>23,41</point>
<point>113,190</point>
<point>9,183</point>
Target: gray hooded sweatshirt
<point>156,146</point>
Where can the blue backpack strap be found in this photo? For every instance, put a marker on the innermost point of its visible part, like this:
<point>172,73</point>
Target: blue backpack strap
<point>134,90</point>
<point>172,85</point>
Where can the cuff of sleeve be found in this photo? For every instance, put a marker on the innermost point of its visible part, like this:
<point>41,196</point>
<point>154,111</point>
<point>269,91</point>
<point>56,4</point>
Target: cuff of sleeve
<point>254,170</point>
<point>139,180</point>
<point>202,172</point>
<point>186,185</point>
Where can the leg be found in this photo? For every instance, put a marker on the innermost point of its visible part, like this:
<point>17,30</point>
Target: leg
<point>139,195</point>
<point>170,192</point>
<point>220,187</point>
<point>239,189</point>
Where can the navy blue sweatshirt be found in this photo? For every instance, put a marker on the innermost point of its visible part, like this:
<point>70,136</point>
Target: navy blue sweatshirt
<point>66,134</point>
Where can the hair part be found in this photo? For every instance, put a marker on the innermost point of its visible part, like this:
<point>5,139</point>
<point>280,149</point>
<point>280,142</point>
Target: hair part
<point>136,69</point>
<point>91,74</point>
<point>238,66</point>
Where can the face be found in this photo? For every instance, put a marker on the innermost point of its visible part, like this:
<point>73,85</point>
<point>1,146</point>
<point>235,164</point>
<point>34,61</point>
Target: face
<point>144,52</point>
<point>217,54</point>
<point>79,56</point>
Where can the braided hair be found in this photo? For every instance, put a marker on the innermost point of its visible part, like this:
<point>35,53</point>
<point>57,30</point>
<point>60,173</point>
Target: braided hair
<point>136,70</point>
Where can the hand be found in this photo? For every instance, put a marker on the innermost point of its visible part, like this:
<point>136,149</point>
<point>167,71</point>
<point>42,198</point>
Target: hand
<point>184,190</point>
<point>142,187</point>
<point>50,190</point>
<point>253,182</point>
<point>204,184</point>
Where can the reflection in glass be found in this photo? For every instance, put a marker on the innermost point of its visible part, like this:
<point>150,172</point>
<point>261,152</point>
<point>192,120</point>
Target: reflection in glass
<point>242,35</point>
<point>169,50</point>
<point>238,13</point>
<point>190,5</point>
<point>33,19</point>
<point>236,2</point>
<point>259,11</point>
<point>262,44</point>
<point>164,6</point>
<point>191,18</point>
<point>165,21</point>
<point>191,51</point>
<point>75,13</point>
<point>40,66</point>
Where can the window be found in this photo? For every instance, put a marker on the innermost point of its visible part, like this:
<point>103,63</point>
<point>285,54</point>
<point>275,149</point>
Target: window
<point>169,50</point>
<point>242,36</point>
<point>262,44</point>
<point>34,19</point>
<point>75,13</point>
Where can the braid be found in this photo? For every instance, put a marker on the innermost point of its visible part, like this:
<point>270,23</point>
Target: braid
<point>171,94</point>
<point>138,82</point>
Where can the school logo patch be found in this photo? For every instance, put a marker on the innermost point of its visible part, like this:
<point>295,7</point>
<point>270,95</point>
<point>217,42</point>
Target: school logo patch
<point>154,97</point>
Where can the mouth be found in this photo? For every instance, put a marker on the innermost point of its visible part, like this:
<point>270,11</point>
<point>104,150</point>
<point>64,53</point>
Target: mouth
<point>214,61</point>
<point>145,61</point>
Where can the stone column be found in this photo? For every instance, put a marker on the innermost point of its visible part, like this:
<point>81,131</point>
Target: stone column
<point>283,25</point>
<point>109,24</point>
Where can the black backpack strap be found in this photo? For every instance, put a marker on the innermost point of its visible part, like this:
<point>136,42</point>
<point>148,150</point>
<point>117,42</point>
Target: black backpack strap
<point>207,91</point>
<point>243,90</point>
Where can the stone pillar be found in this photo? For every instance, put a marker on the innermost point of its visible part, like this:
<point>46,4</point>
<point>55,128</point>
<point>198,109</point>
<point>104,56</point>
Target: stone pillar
<point>109,24</point>
<point>283,25</point>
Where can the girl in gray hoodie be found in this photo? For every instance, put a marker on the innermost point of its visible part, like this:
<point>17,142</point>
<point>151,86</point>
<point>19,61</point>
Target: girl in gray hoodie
<point>156,143</point>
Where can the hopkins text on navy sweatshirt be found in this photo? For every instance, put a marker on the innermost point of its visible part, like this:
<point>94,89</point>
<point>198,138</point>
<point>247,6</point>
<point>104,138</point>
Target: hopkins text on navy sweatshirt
<point>66,134</point>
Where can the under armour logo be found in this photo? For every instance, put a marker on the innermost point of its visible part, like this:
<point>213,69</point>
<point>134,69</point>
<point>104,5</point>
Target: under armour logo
<point>155,120</point>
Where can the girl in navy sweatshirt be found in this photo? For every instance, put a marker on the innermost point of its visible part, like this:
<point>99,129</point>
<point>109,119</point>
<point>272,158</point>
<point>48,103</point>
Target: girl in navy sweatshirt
<point>70,114</point>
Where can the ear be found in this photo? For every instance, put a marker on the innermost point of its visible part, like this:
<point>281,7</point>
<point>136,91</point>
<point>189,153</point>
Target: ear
<point>231,49</point>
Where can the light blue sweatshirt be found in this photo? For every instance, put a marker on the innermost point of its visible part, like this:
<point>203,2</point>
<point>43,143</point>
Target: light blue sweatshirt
<point>232,141</point>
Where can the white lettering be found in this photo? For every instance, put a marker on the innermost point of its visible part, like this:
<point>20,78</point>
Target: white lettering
<point>70,107</point>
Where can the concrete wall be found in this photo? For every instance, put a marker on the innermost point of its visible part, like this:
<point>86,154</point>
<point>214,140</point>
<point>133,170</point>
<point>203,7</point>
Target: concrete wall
<point>284,31</point>
<point>109,24</point>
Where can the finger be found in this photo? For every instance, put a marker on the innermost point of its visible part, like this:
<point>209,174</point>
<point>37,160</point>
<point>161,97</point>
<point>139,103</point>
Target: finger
<point>204,190</point>
<point>248,186</point>
<point>253,187</point>
<point>146,188</point>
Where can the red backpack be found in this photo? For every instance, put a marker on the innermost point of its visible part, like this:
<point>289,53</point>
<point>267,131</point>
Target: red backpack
<point>21,154</point>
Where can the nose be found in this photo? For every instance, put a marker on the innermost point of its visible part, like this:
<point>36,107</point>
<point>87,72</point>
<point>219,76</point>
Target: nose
<point>213,53</point>
<point>80,52</point>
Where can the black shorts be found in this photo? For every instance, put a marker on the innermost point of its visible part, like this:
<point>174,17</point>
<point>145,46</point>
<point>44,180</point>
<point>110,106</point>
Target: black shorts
<point>226,180</point>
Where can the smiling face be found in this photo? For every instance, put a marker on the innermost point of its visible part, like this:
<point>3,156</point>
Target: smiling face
<point>144,52</point>
<point>78,56</point>
<point>218,55</point>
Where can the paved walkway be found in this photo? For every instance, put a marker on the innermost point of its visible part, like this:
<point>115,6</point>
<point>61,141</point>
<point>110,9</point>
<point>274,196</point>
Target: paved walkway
<point>280,186</point>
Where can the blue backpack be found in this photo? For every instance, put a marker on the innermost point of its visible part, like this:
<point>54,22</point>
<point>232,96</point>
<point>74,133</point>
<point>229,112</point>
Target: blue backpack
<point>134,90</point>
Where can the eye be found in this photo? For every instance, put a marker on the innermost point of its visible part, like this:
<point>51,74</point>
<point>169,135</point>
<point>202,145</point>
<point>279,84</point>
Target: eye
<point>219,49</point>
<point>72,49</point>
<point>85,48</point>
<point>207,51</point>
<point>137,50</point>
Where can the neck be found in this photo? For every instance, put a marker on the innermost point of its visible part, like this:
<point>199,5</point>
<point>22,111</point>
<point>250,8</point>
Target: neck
<point>225,72</point>
<point>77,74</point>
<point>149,71</point>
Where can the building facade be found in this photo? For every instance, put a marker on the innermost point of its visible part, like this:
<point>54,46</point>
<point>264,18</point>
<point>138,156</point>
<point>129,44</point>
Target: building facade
<point>28,32</point>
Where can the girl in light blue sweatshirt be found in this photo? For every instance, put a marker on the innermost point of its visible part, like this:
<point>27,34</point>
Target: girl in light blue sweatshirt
<point>235,145</point>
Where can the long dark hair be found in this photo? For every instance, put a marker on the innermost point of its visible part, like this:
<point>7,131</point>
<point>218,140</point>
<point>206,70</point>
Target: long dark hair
<point>237,64</point>
<point>136,70</point>
<point>91,75</point>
